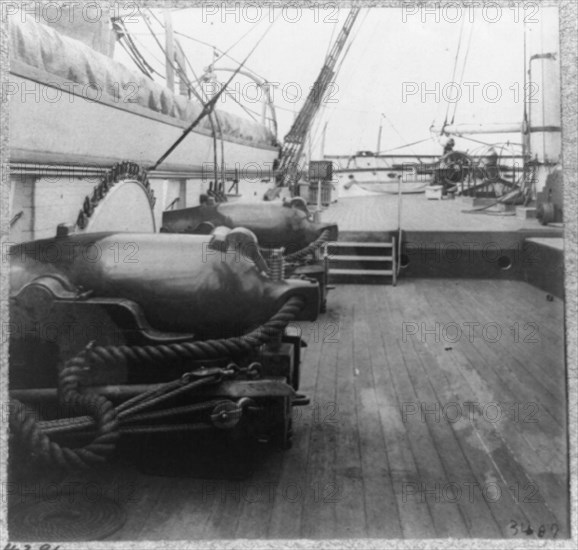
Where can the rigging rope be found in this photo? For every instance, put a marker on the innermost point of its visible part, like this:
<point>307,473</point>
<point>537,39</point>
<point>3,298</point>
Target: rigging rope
<point>237,42</point>
<point>463,70</point>
<point>214,48</point>
<point>178,70</point>
<point>159,61</point>
<point>315,134</point>
<point>219,56</point>
<point>250,112</point>
<point>183,75</point>
<point>477,141</point>
<point>401,137</point>
<point>217,49</point>
<point>212,116</point>
<point>353,38</point>
<point>210,105</point>
<point>404,146</point>
<point>133,47</point>
<point>454,72</point>
<point>331,39</point>
<point>134,59</point>
<point>124,39</point>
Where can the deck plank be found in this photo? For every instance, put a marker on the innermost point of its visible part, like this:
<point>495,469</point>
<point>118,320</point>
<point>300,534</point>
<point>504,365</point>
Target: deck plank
<point>145,499</point>
<point>537,441</point>
<point>362,380</point>
<point>448,520</point>
<point>533,447</point>
<point>523,374</point>
<point>349,500</point>
<point>285,514</point>
<point>257,496</point>
<point>381,509</point>
<point>451,377</point>
<point>434,387</point>
<point>415,517</point>
<point>522,333</point>
<point>500,372</point>
<point>317,515</point>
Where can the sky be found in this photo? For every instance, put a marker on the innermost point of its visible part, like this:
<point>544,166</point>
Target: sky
<point>397,56</point>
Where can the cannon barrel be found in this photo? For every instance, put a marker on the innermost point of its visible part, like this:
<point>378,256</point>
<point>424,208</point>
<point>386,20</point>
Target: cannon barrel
<point>183,283</point>
<point>288,225</point>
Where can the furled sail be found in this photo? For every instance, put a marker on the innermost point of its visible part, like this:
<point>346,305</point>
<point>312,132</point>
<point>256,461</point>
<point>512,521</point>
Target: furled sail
<point>39,52</point>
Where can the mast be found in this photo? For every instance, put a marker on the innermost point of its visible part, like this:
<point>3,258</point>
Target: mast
<point>169,49</point>
<point>544,138</point>
<point>526,152</point>
<point>481,128</point>
<point>378,148</point>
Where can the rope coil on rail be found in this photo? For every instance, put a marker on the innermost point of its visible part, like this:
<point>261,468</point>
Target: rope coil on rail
<point>99,414</point>
<point>311,247</point>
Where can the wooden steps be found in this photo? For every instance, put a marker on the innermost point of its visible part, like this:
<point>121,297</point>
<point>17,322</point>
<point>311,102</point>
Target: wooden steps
<point>358,262</point>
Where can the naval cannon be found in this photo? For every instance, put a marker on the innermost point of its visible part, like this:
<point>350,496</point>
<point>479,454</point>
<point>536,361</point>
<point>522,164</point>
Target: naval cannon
<point>287,233</point>
<point>184,332</point>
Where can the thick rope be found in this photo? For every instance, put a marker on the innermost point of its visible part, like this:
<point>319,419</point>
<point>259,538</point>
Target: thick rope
<point>107,419</point>
<point>208,349</point>
<point>100,413</point>
<point>88,423</point>
<point>25,426</point>
<point>311,247</point>
<point>118,172</point>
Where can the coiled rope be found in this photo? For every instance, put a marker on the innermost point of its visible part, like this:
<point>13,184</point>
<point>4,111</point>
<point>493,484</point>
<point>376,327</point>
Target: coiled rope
<point>26,428</point>
<point>98,413</point>
<point>102,416</point>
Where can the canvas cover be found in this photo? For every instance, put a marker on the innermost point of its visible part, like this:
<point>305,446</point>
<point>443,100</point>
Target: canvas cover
<point>41,47</point>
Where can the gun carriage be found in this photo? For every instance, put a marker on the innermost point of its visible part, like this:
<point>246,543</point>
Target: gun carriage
<point>114,333</point>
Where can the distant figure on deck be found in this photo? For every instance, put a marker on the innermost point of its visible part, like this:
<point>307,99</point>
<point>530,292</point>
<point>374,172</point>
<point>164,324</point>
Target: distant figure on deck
<point>491,169</point>
<point>491,166</point>
<point>449,146</point>
<point>443,175</point>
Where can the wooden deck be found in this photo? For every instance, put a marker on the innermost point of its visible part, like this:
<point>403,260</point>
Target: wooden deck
<point>365,462</point>
<point>380,213</point>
